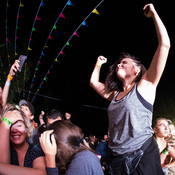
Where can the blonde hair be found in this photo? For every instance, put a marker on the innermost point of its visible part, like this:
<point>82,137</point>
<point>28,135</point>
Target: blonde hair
<point>27,123</point>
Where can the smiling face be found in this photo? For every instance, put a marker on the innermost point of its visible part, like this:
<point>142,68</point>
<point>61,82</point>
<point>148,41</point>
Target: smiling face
<point>126,69</point>
<point>18,131</point>
<point>27,111</point>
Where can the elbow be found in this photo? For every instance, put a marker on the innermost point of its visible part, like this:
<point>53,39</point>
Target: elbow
<point>166,44</point>
<point>91,83</point>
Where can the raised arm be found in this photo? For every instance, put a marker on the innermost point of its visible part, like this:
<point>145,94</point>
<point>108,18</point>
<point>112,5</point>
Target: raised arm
<point>14,68</point>
<point>95,76</point>
<point>157,65</point>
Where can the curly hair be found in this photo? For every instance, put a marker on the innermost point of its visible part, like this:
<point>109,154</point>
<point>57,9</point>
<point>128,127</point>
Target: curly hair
<point>27,123</point>
<point>112,83</point>
<point>69,142</point>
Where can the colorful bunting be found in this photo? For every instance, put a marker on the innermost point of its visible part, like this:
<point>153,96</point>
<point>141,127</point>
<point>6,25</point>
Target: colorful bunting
<point>70,3</point>
<point>62,53</point>
<point>84,24</point>
<point>62,16</point>
<point>50,37</point>
<point>68,44</point>
<point>95,11</point>
<point>75,34</point>
<point>21,5</point>
<point>37,18</point>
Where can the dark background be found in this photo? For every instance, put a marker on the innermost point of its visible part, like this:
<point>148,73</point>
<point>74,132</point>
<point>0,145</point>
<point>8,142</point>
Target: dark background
<point>120,27</point>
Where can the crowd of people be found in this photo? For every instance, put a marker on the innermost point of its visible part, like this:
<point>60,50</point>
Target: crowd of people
<point>134,145</point>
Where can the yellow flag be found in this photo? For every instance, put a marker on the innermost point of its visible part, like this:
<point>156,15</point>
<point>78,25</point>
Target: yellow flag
<point>29,48</point>
<point>95,11</point>
<point>21,5</point>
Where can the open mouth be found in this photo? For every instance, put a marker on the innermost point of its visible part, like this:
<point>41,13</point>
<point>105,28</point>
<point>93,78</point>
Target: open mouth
<point>15,136</point>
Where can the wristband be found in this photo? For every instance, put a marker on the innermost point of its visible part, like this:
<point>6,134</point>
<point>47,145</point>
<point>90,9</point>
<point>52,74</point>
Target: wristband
<point>7,84</point>
<point>98,65</point>
<point>9,77</point>
<point>7,121</point>
<point>165,151</point>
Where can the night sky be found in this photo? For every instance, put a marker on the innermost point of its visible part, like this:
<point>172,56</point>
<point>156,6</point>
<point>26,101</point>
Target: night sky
<point>120,27</point>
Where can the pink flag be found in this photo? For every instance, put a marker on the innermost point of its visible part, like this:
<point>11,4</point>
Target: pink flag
<point>76,34</point>
<point>62,16</point>
<point>7,40</point>
<point>62,53</point>
<point>50,37</point>
<point>37,18</point>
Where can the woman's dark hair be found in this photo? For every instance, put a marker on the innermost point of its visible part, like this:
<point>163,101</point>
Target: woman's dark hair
<point>112,83</point>
<point>69,142</point>
<point>154,123</point>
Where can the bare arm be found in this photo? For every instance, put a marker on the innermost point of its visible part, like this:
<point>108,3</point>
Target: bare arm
<point>14,68</point>
<point>95,76</point>
<point>152,77</point>
<point>157,66</point>
<point>38,168</point>
<point>5,142</point>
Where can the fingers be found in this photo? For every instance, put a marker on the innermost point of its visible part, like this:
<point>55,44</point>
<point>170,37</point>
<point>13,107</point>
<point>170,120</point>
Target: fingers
<point>42,113</point>
<point>48,142</point>
<point>53,141</point>
<point>45,136</point>
<point>14,68</point>
<point>102,59</point>
<point>148,10</point>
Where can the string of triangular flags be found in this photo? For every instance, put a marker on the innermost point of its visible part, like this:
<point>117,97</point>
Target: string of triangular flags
<point>17,53</point>
<point>61,15</point>
<point>37,18</point>
<point>75,33</point>
<point>6,34</point>
<point>16,29</point>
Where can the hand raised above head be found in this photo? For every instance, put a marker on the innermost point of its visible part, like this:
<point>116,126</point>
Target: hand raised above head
<point>14,68</point>
<point>149,10</point>
<point>101,60</point>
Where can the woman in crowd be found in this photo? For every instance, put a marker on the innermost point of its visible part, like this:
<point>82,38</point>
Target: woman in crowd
<point>166,144</point>
<point>132,90</point>
<point>63,140</point>
<point>18,157</point>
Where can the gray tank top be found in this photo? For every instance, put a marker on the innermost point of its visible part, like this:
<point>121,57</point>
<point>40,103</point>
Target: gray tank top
<point>130,120</point>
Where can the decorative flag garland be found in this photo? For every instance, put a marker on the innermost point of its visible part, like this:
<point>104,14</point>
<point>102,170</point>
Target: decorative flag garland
<point>16,30</point>
<point>6,33</point>
<point>49,38</point>
<point>33,29</point>
<point>61,51</point>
